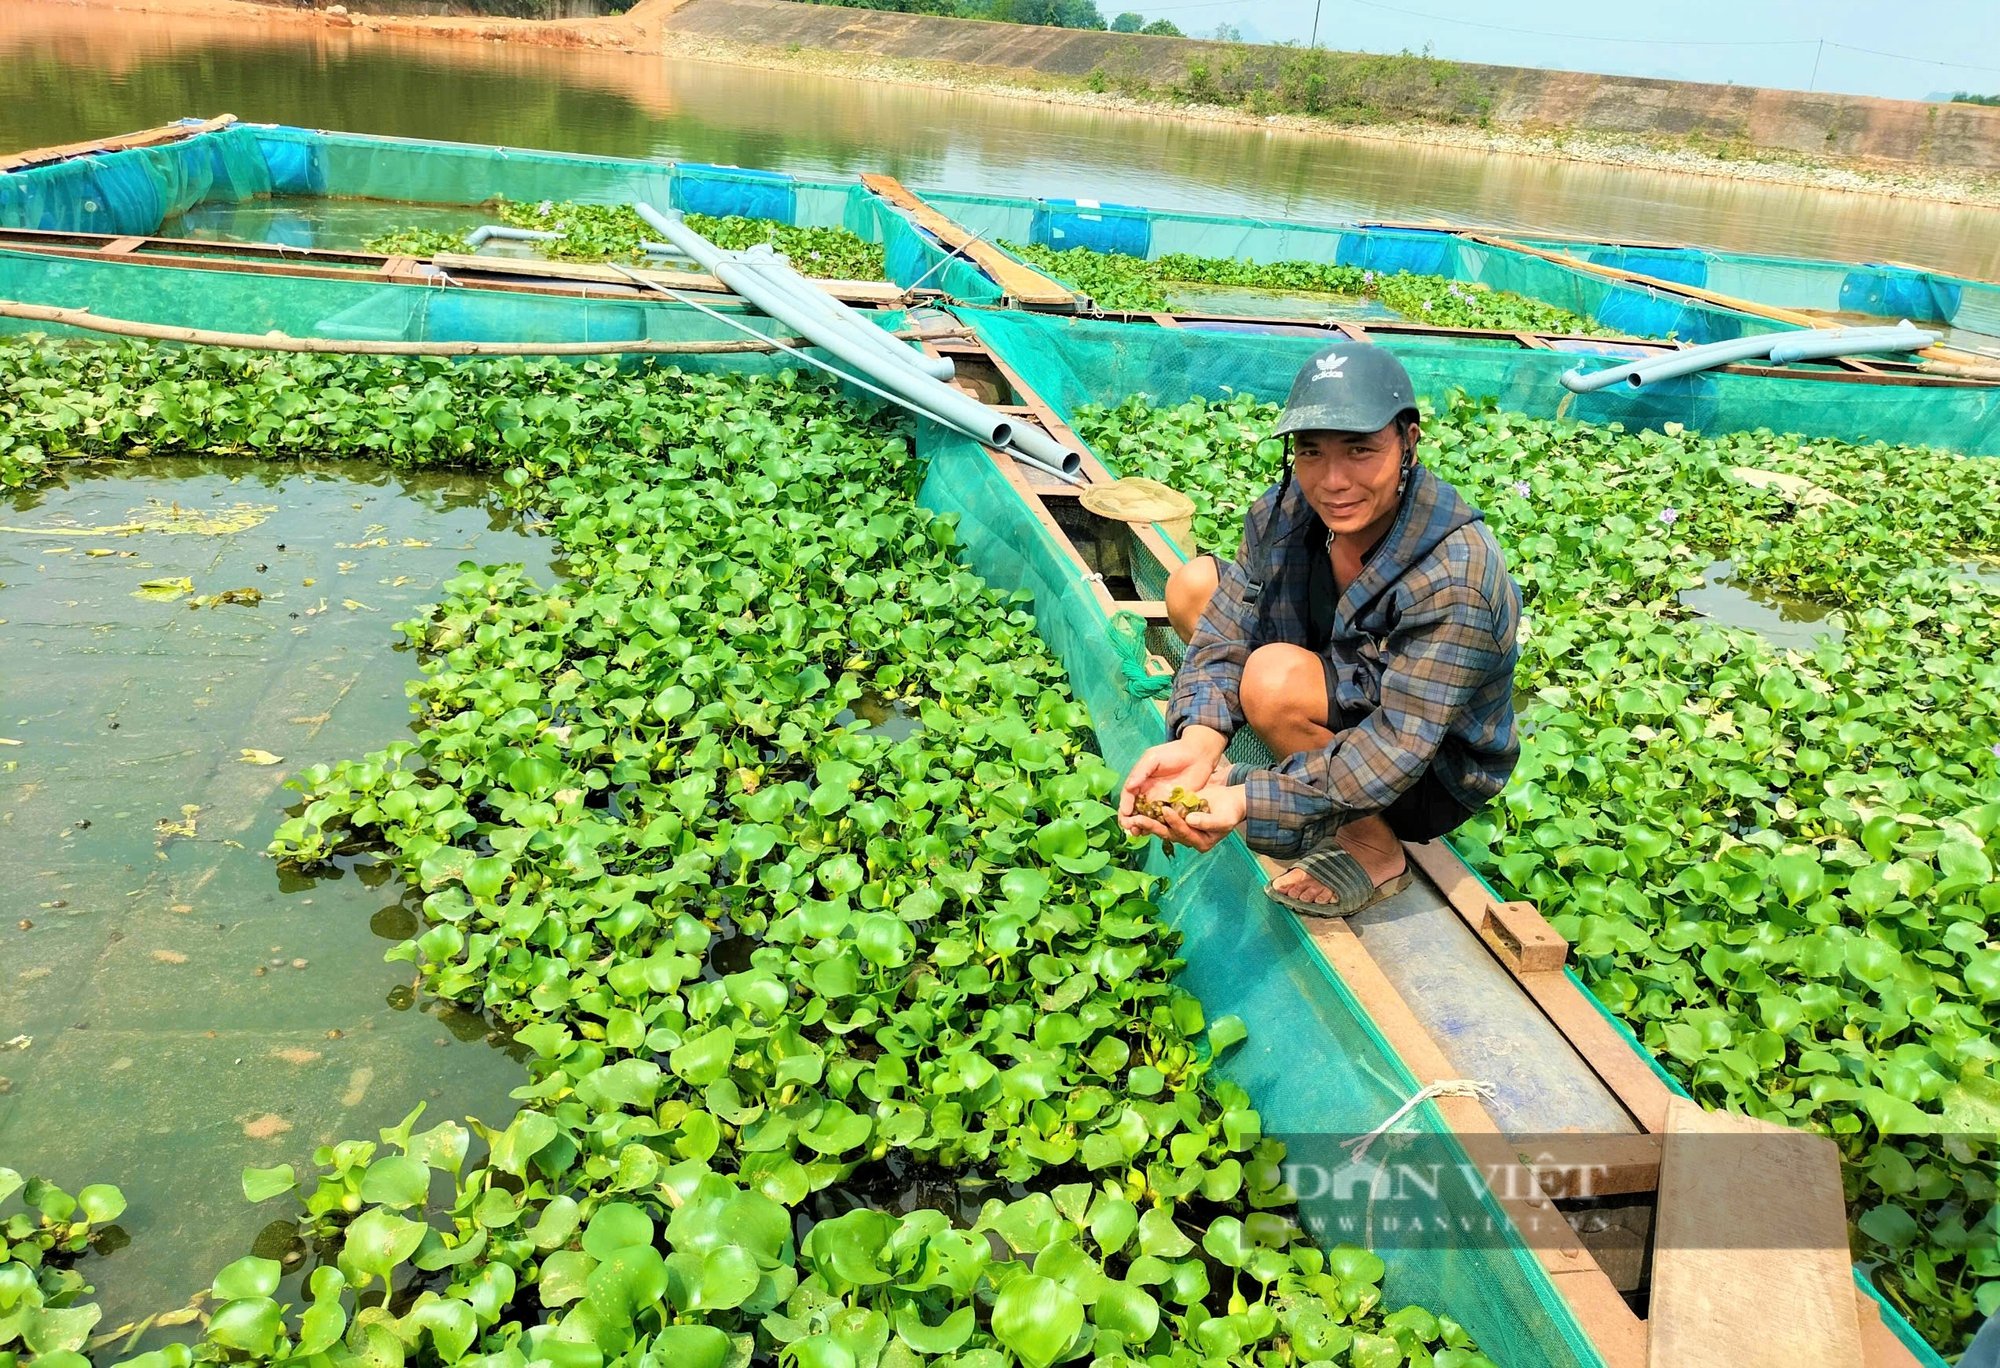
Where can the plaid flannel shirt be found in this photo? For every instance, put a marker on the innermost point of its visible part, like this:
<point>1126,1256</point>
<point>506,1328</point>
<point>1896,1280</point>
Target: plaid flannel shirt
<point>1422,662</point>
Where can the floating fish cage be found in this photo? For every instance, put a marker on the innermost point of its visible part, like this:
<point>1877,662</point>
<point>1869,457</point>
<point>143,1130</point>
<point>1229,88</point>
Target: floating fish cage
<point>1345,1022</point>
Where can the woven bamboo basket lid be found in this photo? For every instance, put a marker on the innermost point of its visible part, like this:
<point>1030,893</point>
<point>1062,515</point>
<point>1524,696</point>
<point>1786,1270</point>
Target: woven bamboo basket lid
<point>1139,500</point>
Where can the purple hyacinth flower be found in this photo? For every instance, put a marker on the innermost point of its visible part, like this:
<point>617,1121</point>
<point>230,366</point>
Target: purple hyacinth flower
<point>1521,488</point>
<point>1670,516</point>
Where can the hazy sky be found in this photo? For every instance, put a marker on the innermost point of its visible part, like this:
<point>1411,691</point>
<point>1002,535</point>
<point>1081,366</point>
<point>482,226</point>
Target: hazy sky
<point>1914,49</point>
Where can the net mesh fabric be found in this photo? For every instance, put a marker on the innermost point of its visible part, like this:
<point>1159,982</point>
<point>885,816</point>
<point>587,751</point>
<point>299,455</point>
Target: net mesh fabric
<point>133,192</point>
<point>1315,1063</point>
<point>1160,232</point>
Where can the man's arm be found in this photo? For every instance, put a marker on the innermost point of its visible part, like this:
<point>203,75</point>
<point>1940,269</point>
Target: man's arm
<point>1443,652</point>
<point>1207,685</point>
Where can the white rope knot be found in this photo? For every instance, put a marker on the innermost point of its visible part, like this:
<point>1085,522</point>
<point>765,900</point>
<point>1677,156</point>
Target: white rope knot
<point>1358,1147</point>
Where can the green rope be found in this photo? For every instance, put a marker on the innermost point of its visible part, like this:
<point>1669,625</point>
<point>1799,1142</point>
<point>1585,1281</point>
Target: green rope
<point>1128,635</point>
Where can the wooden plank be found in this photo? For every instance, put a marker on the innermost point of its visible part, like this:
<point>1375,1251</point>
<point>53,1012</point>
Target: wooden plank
<point>1672,287</point>
<point>120,246</point>
<point>1526,943</point>
<point>851,291</point>
<point>578,270</point>
<point>45,239</point>
<point>1751,1221</point>
<point>1609,1055</point>
<point>1616,1332</point>
<point>1879,1346</point>
<point>1383,326</point>
<point>1472,1005</point>
<point>1599,1310</point>
<point>1515,931</point>
<point>1021,283</point>
<point>148,137</point>
<point>1570,1166</point>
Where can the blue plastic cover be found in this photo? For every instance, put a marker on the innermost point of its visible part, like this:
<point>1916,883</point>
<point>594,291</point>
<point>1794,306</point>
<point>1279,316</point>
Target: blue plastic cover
<point>1064,224</point>
<point>133,190</point>
<point>297,168</point>
<point>1420,251</point>
<point>1897,292</point>
<point>720,191</point>
<point>1637,312</point>
<point>1685,268</point>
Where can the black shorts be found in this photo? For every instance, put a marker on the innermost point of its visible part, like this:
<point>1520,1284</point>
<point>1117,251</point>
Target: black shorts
<point>1427,809</point>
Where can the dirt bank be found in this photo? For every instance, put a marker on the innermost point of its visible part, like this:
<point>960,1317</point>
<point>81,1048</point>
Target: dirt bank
<point>1656,125</point>
<point>642,29</point>
<point>1654,153</point>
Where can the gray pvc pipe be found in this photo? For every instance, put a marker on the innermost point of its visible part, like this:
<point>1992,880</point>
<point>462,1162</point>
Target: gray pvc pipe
<point>1031,442</point>
<point>1045,451</point>
<point>914,388</point>
<point>1038,447</point>
<point>785,278</point>
<point>494,231</point>
<point>1817,342</point>
<point>1579,381</point>
<point>794,286</point>
<point>1794,345</point>
<point>1908,337</point>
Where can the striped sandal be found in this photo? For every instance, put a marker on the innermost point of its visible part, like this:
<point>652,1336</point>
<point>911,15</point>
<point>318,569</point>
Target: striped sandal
<point>1331,866</point>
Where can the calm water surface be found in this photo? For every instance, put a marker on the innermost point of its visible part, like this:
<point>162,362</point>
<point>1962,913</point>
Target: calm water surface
<point>167,991</point>
<point>68,73</point>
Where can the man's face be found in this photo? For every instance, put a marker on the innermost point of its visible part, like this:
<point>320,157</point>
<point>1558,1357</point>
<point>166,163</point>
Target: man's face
<point>1350,478</point>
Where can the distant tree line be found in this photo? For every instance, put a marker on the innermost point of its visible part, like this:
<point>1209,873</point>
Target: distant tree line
<point>1967,97</point>
<point>1073,14</point>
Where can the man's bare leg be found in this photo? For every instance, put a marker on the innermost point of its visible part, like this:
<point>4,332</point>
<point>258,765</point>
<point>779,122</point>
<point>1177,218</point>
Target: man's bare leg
<point>1284,700</point>
<point>1189,589</point>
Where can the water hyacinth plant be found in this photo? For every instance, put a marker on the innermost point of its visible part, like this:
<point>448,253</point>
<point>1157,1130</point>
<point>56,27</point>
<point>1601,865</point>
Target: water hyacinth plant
<point>1777,866</point>
<point>44,1315</point>
<point>763,953</point>
<point>1117,282</point>
<point>613,232</point>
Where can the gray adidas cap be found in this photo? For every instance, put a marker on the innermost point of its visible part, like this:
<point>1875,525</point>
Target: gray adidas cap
<point>1353,387</point>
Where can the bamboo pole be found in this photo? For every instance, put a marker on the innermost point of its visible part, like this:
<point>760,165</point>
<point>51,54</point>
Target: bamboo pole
<point>279,342</point>
<point>17,161</point>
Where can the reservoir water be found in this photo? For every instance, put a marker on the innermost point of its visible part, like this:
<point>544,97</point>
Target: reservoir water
<point>68,73</point>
